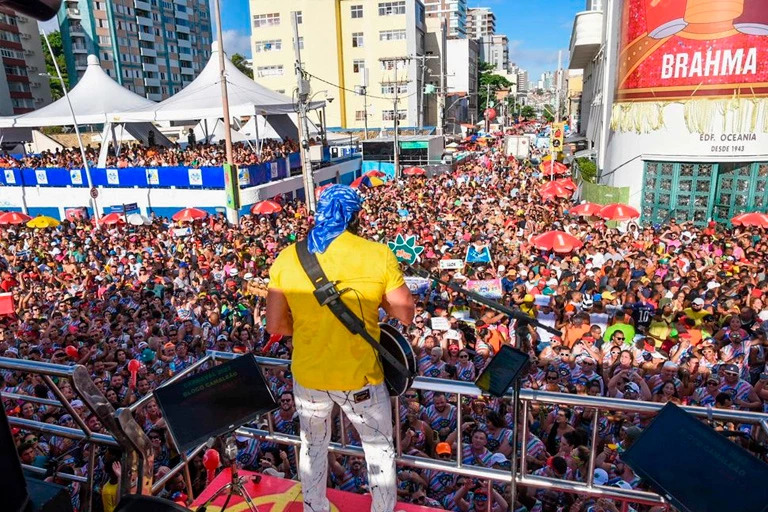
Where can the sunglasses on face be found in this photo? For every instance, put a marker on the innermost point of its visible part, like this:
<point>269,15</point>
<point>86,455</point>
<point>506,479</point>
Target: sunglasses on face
<point>412,396</point>
<point>464,356</point>
<point>732,374</point>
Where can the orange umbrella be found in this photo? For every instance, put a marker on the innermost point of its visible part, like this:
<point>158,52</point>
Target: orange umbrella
<point>8,218</point>
<point>189,215</point>
<point>755,219</point>
<point>112,218</point>
<point>558,241</point>
<point>586,209</point>
<point>618,211</point>
<point>266,208</point>
<point>559,168</point>
<point>554,190</point>
<point>414,171</point>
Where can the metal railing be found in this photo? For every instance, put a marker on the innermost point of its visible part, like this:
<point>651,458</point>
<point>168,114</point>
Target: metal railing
<point>123,427</point>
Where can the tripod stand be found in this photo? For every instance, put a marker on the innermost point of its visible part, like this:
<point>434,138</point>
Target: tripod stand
<point>236,486</point>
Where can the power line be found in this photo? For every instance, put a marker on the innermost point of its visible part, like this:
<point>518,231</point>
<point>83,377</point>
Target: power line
<point>352,90</point>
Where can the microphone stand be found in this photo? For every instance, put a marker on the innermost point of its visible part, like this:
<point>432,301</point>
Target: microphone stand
<point>523,321</point>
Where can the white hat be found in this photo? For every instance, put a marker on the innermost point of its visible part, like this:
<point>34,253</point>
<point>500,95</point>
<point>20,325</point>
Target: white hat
<point>698,301</point>
<point>233,272</point>
<point>248,276</point>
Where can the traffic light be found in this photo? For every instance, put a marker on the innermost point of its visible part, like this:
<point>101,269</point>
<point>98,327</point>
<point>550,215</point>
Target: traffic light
<point>39,9</point>
<point>557,137</point>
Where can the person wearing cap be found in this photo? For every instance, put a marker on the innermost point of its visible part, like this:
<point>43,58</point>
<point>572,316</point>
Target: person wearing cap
<point>696,311</point>
<point>741,391</point>
<point>330,365</point>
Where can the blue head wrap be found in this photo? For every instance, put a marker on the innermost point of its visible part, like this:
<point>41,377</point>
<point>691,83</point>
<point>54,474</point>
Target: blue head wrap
<point>335,209</point>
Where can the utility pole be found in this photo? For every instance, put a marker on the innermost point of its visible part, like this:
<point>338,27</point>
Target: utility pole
<point>396,116</point>
<point>423,62</point>
<point>487,106</point>
<point>232,213</point>
<point>556,117</point>
<point>303,99</point>
<point>364,90</point>
<point>443,88</point>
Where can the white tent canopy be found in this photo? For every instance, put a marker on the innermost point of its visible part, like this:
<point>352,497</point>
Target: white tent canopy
<point>202,98</point>
<point>94,96</point>
<point>274,127</point>
<point>211,131</point>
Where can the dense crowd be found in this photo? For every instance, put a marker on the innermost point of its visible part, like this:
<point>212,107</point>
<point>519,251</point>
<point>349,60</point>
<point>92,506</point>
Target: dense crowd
<point>190,155</point>
<point>660,313</point>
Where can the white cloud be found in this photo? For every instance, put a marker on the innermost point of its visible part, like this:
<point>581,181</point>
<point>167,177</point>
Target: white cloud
<point>236,41</point>
<point>49,26</point>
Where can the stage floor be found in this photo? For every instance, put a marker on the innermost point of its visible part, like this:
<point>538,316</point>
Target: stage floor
<point>273,494</point>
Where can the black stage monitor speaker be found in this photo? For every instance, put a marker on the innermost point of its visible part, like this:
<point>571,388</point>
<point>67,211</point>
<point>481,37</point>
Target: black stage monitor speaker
<point>697,468</point>
<point>501,372</point>
<point>215,402</point>
<point>140,503</point>
<point>13,489</point>
<point>47,497</point>
<point>39,9</point>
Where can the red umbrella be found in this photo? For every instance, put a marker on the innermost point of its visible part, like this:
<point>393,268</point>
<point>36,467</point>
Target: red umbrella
<point>414,171</point>
<point>266,208</point>
<point>567,183</point>
<point>375,174</point>
<point>756,219</point>
<point>558,241</point>
<point>559,168</point>
<point>14,218</point>
<point>189,215</point>
<point>618,211</point>
<point>586,209</point>
<point>112,218</point>
<point>554,190</point>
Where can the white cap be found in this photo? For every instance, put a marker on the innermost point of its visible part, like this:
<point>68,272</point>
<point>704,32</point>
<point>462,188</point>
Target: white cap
<point>698,301</point>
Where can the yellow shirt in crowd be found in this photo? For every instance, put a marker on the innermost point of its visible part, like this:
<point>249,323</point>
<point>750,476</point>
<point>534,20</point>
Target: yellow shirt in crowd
<point>325,354</point>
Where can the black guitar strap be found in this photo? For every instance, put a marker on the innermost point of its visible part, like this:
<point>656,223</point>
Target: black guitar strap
<point>327,295</point>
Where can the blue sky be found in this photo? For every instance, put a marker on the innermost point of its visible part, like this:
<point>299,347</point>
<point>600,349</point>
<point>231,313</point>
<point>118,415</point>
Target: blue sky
<point>536,29</point>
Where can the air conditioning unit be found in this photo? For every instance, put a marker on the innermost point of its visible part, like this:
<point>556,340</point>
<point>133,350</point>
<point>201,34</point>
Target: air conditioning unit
<point>32,69</point>
<point>22,19</point>
<point>24,35</point>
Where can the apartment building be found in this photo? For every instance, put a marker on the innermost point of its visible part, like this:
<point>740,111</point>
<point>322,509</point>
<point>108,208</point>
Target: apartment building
<point>22,89</point>
<point>152,47</point>
<point>453,11</point>
<point>347,46</point>
<point>481,22</point>
<point>494,49</point>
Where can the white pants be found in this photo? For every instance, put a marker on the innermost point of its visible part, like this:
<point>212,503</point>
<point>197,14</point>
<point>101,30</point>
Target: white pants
<point>369,409</point>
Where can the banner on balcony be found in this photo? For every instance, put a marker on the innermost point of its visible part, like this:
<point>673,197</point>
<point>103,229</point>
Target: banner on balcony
<point>711,55</point>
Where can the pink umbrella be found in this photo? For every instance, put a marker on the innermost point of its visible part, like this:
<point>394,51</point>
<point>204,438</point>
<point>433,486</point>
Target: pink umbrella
<point>8,218</point>
<point>567,183</point>
<point>586,209</point>
<point>618,211</point>
<point>189,215</point>
<point>558,241</point>
<point>755,219</point>
<point>414,171</point>
<point>112,218</point>
<point>266,208</point>
<point>554,190</point>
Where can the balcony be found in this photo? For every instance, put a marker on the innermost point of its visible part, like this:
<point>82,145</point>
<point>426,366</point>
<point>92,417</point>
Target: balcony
<point>148,52</point>
<point>187,71</point>
<point>76,29</point>
<point>154,96</point>
<point>184,42</point>
<point>182,29</point>
<point>79,48</point>
<point>182,15</point>
<point>151,68</point>
<point>73,13</point>
<point>586,38</point>
<point>152,82</point>
<point>143,20</point>
<point>144,36</point>
<point>144,6</point>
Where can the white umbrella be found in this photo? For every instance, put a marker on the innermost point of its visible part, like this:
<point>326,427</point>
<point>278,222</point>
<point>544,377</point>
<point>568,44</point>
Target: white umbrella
<point>137,219</point>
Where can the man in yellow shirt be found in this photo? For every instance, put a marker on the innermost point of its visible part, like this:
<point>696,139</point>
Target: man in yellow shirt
<point>330,365</point>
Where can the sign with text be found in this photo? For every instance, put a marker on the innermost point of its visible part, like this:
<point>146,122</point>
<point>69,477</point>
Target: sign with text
<point>440,323</point>
<point>417,285</point>
<point>405,249</point>
<point>451,264</point>
<point>488,288</point>
<point>684,49</point>
<point>478,254</point>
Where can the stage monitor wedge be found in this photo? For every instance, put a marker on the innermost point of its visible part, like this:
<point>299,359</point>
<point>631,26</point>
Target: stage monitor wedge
<point>697,468</point>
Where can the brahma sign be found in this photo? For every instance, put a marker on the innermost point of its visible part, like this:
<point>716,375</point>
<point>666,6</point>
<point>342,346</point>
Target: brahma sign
<point>685,49</point>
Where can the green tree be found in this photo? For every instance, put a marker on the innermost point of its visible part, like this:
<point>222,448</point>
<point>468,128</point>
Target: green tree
<point>548,113</point>
<point>485,78</point>
<point>528,112</point>
<point>58,50</point>
<point>240,63</point>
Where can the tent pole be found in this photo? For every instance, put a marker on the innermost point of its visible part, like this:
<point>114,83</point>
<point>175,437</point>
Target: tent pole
<point>258,139</point>
<point>240,127</point>
<point>87,167</point>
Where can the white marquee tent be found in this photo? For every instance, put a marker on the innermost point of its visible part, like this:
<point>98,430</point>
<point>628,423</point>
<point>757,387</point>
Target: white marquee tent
<point>211,131</point>
<point>202,98</point>
<point>274,127</point>
<point>93,98</point>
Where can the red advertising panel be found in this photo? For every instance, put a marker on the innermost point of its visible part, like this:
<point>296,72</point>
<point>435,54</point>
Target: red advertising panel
<point>680,49</point>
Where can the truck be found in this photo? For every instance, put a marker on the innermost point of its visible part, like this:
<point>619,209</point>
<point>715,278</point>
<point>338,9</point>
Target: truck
<point>518,146</point>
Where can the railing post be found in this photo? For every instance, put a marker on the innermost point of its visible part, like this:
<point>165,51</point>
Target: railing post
<point>592,454</point>
<point>459,432</point>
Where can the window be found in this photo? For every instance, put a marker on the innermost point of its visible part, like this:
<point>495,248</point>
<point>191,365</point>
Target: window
<point>392,35</point>
<point>301,42</point>
<point>271,45</point>
<point>299,18</point>
<point>266,20</point>
<point>357,39</point>
<point>10,36</point>
<point>15,70</point>
<point>11,54</point>
<point>390,88</point>
<point>358,65</point>
<point>389,115</point>
<point>105,40</point>
<point>391,8</point>
<point>263,71</point>
<point>356,11</point>
<point>359,115</point>
<point>389,65</point>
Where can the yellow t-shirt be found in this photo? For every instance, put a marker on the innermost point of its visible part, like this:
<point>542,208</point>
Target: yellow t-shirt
<point>325,354</point>
<point>696,315</point>
<point>109,497</point>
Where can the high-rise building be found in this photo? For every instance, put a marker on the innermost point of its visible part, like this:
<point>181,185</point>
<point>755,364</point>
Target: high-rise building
<point>152,47</point>
<point>453,11</point>
<point>481,22</point>
<point>522,80</point>
<point>494,49</point>
<point>22,89</point>
<point>345,45</point>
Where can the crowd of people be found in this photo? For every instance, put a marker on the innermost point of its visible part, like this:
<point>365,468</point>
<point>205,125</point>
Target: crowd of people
<point>192,154</point>
<point>674,313</point>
